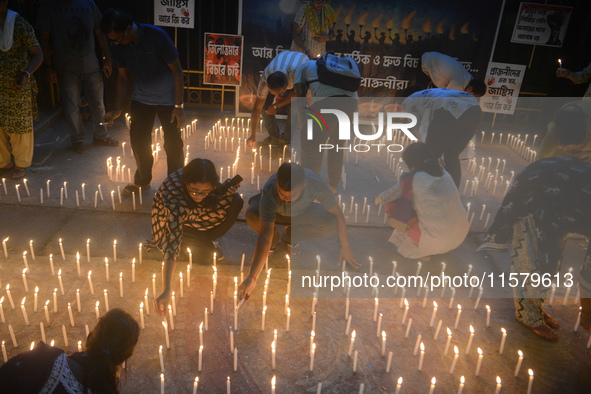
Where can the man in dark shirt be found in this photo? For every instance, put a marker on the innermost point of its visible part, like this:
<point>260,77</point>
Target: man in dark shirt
<point>299,198</point>
<point>148,53</point>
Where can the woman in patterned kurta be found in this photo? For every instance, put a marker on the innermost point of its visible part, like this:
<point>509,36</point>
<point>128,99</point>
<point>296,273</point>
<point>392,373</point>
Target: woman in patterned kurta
<point>312,27</point>
<point>180,216</point>
<point>547,201</point>
<point>20,56</point>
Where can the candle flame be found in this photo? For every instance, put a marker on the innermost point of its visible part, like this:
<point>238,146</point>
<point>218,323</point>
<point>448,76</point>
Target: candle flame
<point>288,311</point>
<point>77,255</point>
<point>36,289</point>
<point>166,327</point>
<point>89,273</point>
<point>59,273</point>
<point>462,379</point>
<point>273,345</point>
<point>471,329</point>
<point>5,239</point>
<point>406,302</point>
<point>422,347</point>
<point>97,304</point>
<point>24,271</point>
<point>23,302</point>
<point>7,287</point>
<point>456,350</point>
<point>520,353</point>
<point>498,380</point>
<point>353,334</point>
<point>52,342</point>
<point>400,380</point>
<point>480,351</point>
<point>273,380</point>
<point>265,308</point>
<point>287,257</point>
<point>434,304</point>
<point>459,307</point>
<point>197,379</point>
<point>530,372</point>
<point>488,308</point>
<point>313,347</point>
<point>142,307</point>
<point>2,300</point>
<point>503,331</point>
<point>46,302</point>
<point>433,381</point>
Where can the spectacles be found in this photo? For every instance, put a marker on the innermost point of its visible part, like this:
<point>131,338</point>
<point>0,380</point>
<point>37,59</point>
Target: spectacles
<point>198,194</point>
<point>118,42</point>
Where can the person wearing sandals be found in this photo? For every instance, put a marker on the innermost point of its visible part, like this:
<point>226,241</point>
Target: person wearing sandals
<point>186,213</point>
<point>47,369</point>
<point>20,56</point>
<point>548,201</point>
<point>147,53</point>
<point>70,28</point>
<point>300,199</point>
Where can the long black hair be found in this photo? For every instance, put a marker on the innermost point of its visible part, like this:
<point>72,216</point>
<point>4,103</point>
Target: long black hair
<point>419,157</point>
<point>110,343</point>
<point>200,171</point>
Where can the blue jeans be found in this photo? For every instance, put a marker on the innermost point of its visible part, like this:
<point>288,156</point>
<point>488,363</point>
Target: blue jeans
<point>71,88</point>
<point>270,121</point>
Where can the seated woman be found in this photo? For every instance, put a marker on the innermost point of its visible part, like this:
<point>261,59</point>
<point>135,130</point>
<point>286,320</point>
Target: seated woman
<point>46,369</point>
<point>441,222</point>
<point>186,214</point>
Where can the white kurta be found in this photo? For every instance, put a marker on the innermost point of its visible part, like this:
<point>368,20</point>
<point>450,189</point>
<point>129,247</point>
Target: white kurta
<point>442,218</point>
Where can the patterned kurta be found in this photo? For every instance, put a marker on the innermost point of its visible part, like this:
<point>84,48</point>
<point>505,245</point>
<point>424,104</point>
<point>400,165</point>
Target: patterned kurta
<point>174,208</point>
<point>555,193</point>
<point>18,107</point>
<point>325,19</point>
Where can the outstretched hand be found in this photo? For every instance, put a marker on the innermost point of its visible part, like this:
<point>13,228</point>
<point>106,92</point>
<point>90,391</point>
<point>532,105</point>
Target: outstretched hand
<point>347,255</point>
<point>246,288</point>
<point>161,302</point>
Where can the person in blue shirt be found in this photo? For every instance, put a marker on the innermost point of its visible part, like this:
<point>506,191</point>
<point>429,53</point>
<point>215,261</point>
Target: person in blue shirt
<point>147,53</point>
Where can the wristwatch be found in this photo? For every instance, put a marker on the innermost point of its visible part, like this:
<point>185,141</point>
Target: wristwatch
<point>181,106</point>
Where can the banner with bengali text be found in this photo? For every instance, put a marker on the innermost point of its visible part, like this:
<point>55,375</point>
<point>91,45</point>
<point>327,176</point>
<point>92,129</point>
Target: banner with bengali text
<point>541,24</point>
<point>174,13</point>
<point>222,59</point>
<point>503,83</point>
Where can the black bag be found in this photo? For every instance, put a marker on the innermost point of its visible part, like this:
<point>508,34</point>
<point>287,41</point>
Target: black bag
<point>339,72</point>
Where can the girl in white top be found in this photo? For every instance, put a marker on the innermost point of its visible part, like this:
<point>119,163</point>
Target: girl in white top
<point>443,222</point>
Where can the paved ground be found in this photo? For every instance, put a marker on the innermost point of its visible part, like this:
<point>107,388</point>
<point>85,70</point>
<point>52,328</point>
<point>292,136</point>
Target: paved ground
<point>560,367</point>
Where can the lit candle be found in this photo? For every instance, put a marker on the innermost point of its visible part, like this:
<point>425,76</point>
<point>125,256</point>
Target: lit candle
<point>519,361</point>
<point>529,371</point>
<point>24,310</point>
<point>54,301</point>
<point>107,269</point>
<point>46,312</point>
<point>171,318</point>
<point>106,295</point>
<point>90,282</point>
<point>78,300</point>
<point>273,355</point>
<point>461,388</point>
<point>9,296</point>
<point>453,364</point>
<point>470,339</point>
<point>398,385</point>
<point>142,315</point>
<point>140,253</point>
<point>161,383</point>
<point>161,359</point>
<point>432,388</point>
<point>354,360</point>
<point>479,364</point>
<point>405,310</point>
<point>498,389</point>
<point>503,340</point>
<point>448,341</point>
<point>433,314</point>
<point>62,249</point>
<point>423,356</point>
<point>25,281</point>
<point>59,278</point>
<point>167,338</point>
<point>353,334</point>
<point>274,380</point>
<point>458,316</point>
<point>263,319</point>
<point>121,284</point>
<point>146,302</point>
<point>195,385</point>
<point>4,246</point>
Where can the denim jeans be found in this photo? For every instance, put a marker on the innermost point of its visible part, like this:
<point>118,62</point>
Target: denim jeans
<point>271,122</point>
<point>71,88</point>
<point>140,133</point>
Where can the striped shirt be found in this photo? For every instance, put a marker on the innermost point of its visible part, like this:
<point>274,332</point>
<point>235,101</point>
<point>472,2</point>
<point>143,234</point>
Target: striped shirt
<point>287,62</point>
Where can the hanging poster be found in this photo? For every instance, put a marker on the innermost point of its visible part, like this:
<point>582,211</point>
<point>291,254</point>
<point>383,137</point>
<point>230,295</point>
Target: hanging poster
<point>223,59</point>
<point>175,13</point>
<point>503,83</point>
<point>541,24</point>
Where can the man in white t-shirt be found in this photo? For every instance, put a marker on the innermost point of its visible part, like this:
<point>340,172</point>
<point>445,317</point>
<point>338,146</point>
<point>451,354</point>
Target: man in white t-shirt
<point>276,82</point>
<point>446,72</point>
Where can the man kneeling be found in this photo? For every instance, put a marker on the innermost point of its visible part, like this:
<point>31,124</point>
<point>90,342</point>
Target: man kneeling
<point>300,199</point>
